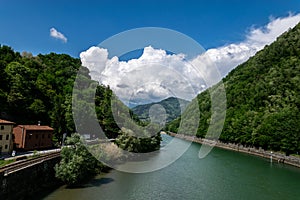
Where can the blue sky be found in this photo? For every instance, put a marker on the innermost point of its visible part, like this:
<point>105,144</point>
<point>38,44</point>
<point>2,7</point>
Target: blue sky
<point>25,25</point>
<point>230,31</point>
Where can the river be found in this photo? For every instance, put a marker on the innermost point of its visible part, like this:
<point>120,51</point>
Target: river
<point>223,174</point>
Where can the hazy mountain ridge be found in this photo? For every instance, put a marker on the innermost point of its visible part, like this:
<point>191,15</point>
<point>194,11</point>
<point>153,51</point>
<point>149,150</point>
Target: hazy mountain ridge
<point>173,107</point>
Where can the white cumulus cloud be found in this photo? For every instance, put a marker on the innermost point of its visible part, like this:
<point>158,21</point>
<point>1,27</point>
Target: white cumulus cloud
<point>153,76</point>
<point>58,35</point>
<point>156,75</point>
<point>229,56</point>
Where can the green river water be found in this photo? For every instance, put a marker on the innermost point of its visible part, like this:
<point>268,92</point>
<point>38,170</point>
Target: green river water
<point>221,175</point>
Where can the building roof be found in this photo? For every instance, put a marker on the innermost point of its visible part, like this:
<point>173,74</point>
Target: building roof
<point>2,121</point>
<point>36,127</point>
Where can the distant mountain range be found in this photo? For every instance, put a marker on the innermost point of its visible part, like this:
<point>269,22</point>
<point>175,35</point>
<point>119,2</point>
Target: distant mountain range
<point>173,107</point>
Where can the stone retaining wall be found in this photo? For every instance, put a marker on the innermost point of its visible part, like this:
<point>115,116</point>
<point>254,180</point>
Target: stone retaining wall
<point>28,181</point>
<point>276,156</point>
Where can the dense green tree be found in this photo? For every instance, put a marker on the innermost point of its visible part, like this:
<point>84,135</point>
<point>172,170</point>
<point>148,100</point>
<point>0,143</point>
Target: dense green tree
<point>127,141</point>
<point>77,164</point>
<point>37,88</point>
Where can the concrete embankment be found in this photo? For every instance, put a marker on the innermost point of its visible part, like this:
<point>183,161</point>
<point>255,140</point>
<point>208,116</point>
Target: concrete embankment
<point>275,156</point>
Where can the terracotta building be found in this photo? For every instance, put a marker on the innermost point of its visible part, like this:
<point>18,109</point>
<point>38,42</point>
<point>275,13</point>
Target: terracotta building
<point>6,136</point>
<point>32,137</point>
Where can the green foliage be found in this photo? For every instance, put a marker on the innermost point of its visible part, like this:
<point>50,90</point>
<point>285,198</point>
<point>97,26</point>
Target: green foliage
<point>263,99</point>
<point>35,153</point>
<point>104,110</point>
<point>37,88</point>
<point>118,122</point>
<point>40,88</point>
<point>6,162</point>
<point>127,141</point>
<point>76,162</point>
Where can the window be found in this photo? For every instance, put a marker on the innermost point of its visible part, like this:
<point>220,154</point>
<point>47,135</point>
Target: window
<point>2,127</point>
<point>48,135</point>
<point>0,137</point>
<point>43,136</point>
<point>6,146</point>
<point>36,136</point>
<point>7,137</point>
<point>29,136</point>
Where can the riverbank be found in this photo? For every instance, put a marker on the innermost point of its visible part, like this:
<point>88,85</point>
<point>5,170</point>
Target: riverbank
<point>274,156</point>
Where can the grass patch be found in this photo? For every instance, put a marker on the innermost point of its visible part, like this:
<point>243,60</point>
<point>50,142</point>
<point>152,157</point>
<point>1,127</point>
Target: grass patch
<point>5,162</point>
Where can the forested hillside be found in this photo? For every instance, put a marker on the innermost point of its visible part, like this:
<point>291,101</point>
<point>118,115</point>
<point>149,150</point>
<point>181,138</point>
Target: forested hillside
<point>39,88</point>
<point>263,99</point>
<point>173,107</point>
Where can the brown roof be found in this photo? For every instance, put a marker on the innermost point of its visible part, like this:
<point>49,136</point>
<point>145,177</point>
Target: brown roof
<point>2,121</point>
<point>36,127</point>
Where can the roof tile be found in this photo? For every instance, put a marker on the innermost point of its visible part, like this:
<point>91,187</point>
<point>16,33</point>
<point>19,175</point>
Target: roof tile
<point>36,127</point>
<point>2,121</point>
